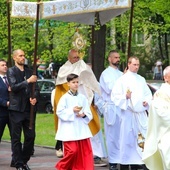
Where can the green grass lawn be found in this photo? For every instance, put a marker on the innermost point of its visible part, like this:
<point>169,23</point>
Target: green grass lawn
<point>45,133</point>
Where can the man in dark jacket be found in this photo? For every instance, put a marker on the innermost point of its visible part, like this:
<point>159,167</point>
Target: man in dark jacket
<point>21,80</point>
<point>4,98</point>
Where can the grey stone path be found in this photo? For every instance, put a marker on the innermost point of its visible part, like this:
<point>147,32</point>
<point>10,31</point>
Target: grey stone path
<point>44,159</point>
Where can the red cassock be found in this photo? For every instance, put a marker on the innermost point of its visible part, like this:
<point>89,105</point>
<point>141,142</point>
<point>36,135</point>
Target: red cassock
<point>77,156</point>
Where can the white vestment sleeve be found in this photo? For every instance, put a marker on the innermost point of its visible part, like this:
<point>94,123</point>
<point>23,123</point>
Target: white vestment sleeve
<point>86,110</point>
<point>63,112</point>
<point>52,97</point>
<point>118,96</point>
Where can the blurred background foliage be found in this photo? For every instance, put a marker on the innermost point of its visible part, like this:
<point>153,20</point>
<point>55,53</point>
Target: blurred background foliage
<point>150,40</point>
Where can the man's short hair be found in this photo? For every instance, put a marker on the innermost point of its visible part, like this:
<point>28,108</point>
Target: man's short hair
<point>130,59</point>
<point>71,77</point>
<point>112,51</point>
<point>3,60</point>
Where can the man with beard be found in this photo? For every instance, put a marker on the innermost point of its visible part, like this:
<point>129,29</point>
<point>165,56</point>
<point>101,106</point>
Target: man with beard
<point>21,79</point>
<point>112,113</point>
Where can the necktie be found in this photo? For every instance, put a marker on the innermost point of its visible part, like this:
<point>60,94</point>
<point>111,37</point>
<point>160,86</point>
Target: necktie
<point>6,81</point>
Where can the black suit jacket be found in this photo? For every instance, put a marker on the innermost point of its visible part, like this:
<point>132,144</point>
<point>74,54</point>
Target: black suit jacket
<point>20,89</point>
<point>4,97</point>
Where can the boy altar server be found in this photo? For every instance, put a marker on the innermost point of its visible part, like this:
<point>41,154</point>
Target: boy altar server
<point>74,115</point>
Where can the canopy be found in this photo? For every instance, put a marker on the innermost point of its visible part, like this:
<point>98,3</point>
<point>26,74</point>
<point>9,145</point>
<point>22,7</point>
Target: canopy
<point>81,11</point>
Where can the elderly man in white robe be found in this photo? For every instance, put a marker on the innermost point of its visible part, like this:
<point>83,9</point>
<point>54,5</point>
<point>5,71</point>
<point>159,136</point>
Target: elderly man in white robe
<point>111,113</point>
<point>133,96</point>
<point>157,147</point>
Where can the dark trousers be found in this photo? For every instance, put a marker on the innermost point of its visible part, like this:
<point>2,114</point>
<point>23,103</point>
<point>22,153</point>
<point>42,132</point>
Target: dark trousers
<point>3,122</point>
<point>21,152</point>
<point>124,167</point>
<point>59,145</point>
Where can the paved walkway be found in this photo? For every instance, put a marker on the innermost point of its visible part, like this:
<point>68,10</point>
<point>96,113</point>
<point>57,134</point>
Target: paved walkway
<point>44,158</point>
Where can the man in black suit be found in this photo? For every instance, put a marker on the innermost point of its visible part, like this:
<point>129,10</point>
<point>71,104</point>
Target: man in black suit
<point>21,81</point>
<point>4,98</point>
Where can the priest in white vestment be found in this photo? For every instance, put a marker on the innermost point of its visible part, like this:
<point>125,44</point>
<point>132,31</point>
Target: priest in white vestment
<point>111,112</point>
<point>157,147</point>
<point>133,96</point>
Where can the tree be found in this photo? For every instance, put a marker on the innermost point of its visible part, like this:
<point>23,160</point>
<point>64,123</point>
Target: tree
<point>151,20</point>
<point>155,14</point>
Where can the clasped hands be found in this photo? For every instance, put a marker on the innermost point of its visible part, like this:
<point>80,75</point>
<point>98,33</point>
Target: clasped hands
<point>128,94</point>
<point>76,110</point>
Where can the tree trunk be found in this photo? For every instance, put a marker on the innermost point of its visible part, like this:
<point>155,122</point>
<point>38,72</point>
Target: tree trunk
<point>160,46</point>
<point>166,50</point>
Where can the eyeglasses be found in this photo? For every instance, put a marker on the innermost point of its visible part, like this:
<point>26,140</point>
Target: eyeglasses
<point>21,55</point>
<point>76,57</point>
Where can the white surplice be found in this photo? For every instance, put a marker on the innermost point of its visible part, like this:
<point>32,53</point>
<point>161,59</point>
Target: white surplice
<point>157,147</point>
<point>111,113</point>
<point>71,127</point>
<point>133,114</point>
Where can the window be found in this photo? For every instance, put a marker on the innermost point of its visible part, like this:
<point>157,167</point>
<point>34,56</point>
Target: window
<point>139,38</point>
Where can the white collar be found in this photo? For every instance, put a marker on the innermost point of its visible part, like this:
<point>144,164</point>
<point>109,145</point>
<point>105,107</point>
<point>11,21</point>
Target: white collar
<point>2,76</point>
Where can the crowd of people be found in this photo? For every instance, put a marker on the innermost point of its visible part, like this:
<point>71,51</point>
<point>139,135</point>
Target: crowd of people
<point>79,101</point>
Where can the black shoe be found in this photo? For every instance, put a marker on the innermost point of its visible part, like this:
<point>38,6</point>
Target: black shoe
<point>26,167</point>
<point>144,167</point>
<point>112,166</point>
<point>12,163</point>
<point>20,168</point>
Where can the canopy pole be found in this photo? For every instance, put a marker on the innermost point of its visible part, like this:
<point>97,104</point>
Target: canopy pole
<point>93,39</point>
<point>9,62</point>
<point>34,64</point>
<point>130,30</point>
<point>92,45</point>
